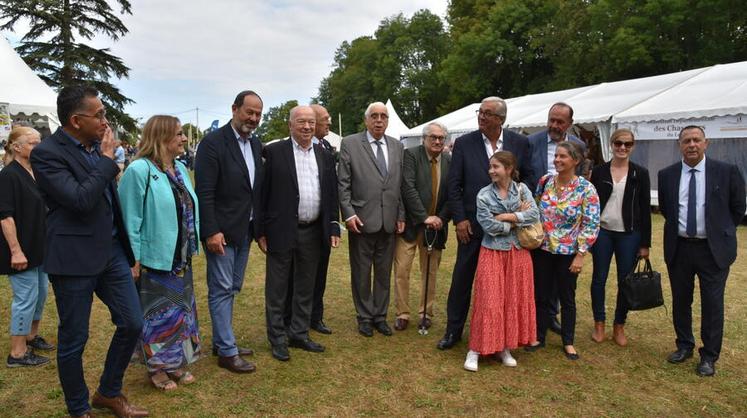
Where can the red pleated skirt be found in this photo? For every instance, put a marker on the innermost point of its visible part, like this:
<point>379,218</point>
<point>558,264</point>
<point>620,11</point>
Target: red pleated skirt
<point>503,312</point>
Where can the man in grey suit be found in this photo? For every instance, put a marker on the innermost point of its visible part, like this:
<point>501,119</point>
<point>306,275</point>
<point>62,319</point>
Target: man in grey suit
<point>424,174</point>
<point>369,177</point>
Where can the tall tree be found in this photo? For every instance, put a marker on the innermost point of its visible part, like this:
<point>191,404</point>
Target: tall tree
<point>274,123</point>
<point>51,49</point>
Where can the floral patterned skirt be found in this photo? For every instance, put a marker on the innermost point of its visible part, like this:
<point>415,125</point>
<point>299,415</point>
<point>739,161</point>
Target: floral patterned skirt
<point>503,313</point>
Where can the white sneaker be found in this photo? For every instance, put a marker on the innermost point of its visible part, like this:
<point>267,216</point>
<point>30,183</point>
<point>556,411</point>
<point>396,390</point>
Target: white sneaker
<point>471,362</point>
<point>506,358</point>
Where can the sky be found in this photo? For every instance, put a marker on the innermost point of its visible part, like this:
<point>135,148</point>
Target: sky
<point>188,54</point>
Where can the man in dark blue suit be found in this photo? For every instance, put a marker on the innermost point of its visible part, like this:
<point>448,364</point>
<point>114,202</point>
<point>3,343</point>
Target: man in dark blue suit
<point>703,201</point>
<point>87,248</point>
<point>542,152</point>
<point>228,182</point>
<point>468,174</point>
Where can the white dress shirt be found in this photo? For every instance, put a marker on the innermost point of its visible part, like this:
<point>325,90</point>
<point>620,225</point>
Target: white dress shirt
<point>489,146</point>
<point>309,191</point>
<point>700,180</point>
<point>374,148</point>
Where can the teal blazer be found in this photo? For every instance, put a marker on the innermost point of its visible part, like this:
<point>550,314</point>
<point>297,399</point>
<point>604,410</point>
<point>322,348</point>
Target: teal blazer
<point>152,225</point>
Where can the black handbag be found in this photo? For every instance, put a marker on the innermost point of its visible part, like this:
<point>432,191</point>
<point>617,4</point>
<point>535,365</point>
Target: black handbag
<point>642,288</point>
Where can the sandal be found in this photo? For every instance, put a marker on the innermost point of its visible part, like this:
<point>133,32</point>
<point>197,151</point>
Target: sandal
<point>161,380</point>
<point>182,376</point>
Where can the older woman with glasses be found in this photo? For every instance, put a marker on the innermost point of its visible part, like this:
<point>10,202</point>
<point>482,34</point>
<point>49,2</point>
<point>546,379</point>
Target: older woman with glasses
<point>23,219</point>
<point>161,214</point>
<point>625,199</point>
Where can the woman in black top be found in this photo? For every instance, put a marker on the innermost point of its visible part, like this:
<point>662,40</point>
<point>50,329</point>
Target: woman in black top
<point>624,192</point>
<point>23,221</point>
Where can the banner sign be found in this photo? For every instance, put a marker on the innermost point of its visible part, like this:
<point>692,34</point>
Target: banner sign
<point>734,126</point>
<point>5,121</point>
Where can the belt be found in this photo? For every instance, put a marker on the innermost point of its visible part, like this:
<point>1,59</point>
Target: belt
<point>692,239</point>
<point>307,224</point>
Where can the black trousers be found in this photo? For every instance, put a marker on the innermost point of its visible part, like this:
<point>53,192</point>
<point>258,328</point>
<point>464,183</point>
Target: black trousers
<point>694,258</point>
<point>553,277</point>
<point>460,292</point>
<point>320,285</point>
<point>297,265</point>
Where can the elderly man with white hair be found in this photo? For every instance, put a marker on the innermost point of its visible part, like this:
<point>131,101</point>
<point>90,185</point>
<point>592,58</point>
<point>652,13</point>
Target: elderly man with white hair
<point>369,177</point>
<point>426,213</point>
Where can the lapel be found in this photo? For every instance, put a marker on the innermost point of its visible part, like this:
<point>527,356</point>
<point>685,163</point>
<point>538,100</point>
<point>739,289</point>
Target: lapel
<point>543,152</point>
<point>290,160</point>
<point>318,150</point>
<point>232,144</point>
<point>368,150</point>
<point>483,155</point>
<point>392,152</point>
<point>674,194</point>
<point>711,183</point>
<point>72,151</point>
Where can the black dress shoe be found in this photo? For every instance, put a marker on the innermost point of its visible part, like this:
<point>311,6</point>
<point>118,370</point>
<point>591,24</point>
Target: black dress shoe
<point>307,345</point>
<point>364,328</point>
<point>533,348</point>
<point>706,368</point>
<point>449,340</point>
<point>242,351</point>
<point>383,328</point>
<point>400,324</point>
<point>571,356</point>
<point>680,355</point>
<point>555,325</point>
<point>280,352</point>
<point>321,328</point>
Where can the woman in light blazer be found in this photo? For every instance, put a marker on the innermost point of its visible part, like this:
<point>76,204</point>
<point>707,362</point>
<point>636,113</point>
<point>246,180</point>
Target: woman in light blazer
<point>161,215</point>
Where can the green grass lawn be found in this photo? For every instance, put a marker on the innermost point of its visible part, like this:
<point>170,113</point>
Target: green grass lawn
<point>405,375</point>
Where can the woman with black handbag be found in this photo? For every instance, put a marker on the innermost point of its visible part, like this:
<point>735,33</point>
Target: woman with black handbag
<point>569,210</point>
<point>625,199</point>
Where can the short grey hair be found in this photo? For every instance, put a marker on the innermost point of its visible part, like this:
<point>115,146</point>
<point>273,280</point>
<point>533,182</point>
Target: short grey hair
<point>502,109</point>
<point>370,108</point>
<point>427,129</point>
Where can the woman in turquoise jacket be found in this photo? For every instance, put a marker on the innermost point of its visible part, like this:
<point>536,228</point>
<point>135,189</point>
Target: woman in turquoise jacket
<point>161,216</point>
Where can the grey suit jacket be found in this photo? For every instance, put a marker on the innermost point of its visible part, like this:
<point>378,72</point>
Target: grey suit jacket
<point>417,196</point>
<point>363,190</point>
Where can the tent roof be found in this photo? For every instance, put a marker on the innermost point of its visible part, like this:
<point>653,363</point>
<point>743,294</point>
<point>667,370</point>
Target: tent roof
<point>21,87</point>
<point>396,127</point>
<point>715,91</point>
<point>599,102</point>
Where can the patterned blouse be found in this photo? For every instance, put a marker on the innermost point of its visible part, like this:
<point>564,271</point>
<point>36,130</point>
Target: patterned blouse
<point>569,214</point>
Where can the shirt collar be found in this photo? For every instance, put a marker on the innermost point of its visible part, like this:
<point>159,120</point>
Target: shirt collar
<point>700,167</point>
<point>297,146</point>
<point>79,144</point>
<point>565,137</point>
<point>237,135</point>
<point>486,140</point>
<point>371,139</point>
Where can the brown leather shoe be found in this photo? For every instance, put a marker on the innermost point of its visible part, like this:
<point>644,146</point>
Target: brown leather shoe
<point>598,334</point>
<point>236,364</point>
<point>618,334</point>
<point>118,405</point>
<point>400,324</point>
<point>243,351</point>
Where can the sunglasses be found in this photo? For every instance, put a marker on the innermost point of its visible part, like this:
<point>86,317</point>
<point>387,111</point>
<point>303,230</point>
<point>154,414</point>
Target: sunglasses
<point>626,144</point>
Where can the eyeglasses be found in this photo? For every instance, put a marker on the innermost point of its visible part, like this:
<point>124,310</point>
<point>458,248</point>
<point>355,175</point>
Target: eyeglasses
<point>479,113</point>
<point>376,116</point>
<point>621,144</point>
<point>436,138</point>
<point>99,115</point>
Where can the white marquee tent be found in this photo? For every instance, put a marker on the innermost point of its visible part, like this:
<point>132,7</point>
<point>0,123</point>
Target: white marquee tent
<point>22,90</point>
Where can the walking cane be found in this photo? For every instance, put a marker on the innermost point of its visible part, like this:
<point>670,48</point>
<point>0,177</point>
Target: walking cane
<point>422,330</point>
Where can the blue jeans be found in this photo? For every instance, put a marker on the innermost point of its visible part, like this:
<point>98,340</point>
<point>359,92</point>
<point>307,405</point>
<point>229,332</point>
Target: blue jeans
<point>225,275</point>
<point>29,294</point>
<point>625,246</point>
<point>74,296</point>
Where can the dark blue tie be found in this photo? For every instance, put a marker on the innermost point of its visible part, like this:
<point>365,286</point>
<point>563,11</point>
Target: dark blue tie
<point>692,224</point>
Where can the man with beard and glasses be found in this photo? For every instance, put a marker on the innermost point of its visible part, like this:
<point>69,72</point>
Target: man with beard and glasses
<point>228,179</point>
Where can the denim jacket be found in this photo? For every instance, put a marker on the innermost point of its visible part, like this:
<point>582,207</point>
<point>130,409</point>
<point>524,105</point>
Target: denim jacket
<point>499,235</point>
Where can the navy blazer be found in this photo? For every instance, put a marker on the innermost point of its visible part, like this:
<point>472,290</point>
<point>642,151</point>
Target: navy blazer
<point>79,221</point>
<point>223,186</point>
<point>468,172</point>
<point>281,195</point>
<point>538,158</point>
<point>724,209</point>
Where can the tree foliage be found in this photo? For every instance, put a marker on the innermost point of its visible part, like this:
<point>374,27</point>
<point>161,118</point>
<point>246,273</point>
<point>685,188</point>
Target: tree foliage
<point>274,123</point>
<point>50,47</point>
<point>400,62</point>
<point>511,48</point>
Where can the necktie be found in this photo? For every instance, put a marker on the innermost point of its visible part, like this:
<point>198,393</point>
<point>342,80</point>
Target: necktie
<point>380,160</point>
<point>692,224</point>
<point>434,186</point>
